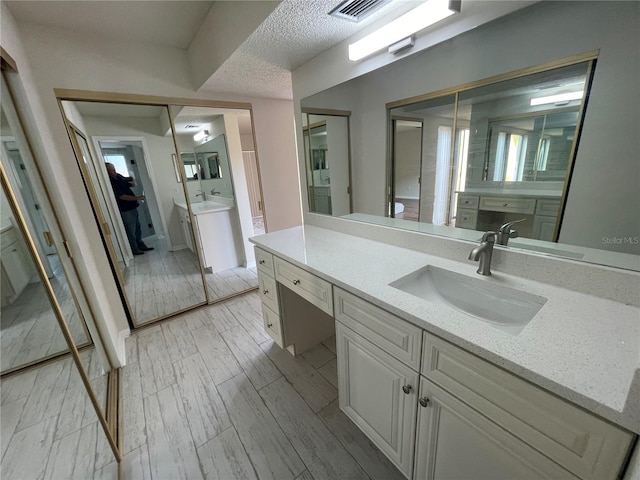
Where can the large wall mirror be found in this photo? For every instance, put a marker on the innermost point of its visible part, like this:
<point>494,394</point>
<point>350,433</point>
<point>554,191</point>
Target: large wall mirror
<point>493,153</point>
<point>175,193</point>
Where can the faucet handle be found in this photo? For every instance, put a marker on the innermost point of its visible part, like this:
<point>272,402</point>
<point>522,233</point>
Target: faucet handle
<point>489,237</point>
<point>506,227</point>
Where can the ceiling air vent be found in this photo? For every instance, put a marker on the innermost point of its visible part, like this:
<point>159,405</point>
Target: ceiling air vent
<point>356,10</point>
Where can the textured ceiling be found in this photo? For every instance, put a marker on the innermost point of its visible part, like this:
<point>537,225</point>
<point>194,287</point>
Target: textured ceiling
<point>293,34</point>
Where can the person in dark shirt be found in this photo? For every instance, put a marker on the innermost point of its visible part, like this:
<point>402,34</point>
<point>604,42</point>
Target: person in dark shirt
<point>128,206</point>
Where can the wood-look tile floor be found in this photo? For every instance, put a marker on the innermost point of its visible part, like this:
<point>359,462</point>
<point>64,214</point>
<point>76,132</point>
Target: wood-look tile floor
<point>209,395</point>
<point>162,282</point>
<point>49,428</point>
<point>29,329</point>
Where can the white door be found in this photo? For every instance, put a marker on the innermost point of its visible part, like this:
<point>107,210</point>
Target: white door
<point>379,394</point>
<point>455,442</point>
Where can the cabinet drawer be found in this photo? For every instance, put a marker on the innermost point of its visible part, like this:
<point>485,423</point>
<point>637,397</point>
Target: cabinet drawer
<point>268,292</point>
<point>466,218</point>
<point>308,286</point>
<point>264,261</point>
<point>394,335</point>
<point>508,204</point>
<point>468,201</point>
<point>272,325</point>
<point>547,206</point>
<point>584,444</point>
<point>8,237</point>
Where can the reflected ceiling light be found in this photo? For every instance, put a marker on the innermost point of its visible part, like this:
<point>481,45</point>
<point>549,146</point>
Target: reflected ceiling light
<point>419,18</point>
<point>201,135</point>
<point>560,98</point>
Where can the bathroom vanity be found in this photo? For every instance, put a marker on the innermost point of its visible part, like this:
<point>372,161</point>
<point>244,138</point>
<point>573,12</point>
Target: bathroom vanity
<point>430,383</point>
<point>215,226</point>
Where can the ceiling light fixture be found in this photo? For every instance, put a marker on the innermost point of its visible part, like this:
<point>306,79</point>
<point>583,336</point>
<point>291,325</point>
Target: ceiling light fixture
<point>201,135</point>
<point>430,12</point>
<point>560,98</point>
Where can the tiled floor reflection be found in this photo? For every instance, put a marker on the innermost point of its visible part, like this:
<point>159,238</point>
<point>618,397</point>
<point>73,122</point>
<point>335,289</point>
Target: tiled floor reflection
<point>50,429</point>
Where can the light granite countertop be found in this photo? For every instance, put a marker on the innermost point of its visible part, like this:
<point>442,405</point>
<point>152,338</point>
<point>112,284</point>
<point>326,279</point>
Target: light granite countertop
<point>200,208</point>
<point>583,348</point>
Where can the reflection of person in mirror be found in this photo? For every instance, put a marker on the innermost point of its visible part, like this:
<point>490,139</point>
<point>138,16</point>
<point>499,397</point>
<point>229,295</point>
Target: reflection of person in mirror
<point>128,206</point>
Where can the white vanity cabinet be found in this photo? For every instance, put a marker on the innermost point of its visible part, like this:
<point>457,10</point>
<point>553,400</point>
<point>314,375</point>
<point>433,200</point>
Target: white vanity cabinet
<point>378,393</point>
<point>214,226</point>
<point>454,441</point>
<point>378,360</point>
<point>267,289</point>
<point>583,445</point>
<point>469,418</point>
<point>297,306</point>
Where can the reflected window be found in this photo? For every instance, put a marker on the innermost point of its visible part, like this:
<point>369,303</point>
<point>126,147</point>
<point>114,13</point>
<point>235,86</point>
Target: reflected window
<point>509,158</point>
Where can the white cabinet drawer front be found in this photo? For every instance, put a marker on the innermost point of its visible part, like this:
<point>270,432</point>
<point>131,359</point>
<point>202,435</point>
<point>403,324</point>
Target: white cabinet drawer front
<point>264,260</point>
<point>508,204</point>
<point>370,384</point>
<point>584,444</point>
<point>394,335</point>
<point>305,284</point>
<point>8,237</point>
<point>272,325</point>
<point>466,218</point>
<point>454,441</point>
<point>549,207</point>
<point>468,201</point>
<point>268,292</point>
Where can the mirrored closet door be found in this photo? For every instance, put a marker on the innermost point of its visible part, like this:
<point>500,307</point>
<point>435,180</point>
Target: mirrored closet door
<point>52,413</point>
<point>28,326</point>
<point>176,198</point>
<point>223,190</point>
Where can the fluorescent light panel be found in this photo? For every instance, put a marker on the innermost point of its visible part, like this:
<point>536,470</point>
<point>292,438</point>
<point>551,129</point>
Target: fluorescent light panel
<point>419,18</point>
<point>201,135</point>
<point>562,97</point>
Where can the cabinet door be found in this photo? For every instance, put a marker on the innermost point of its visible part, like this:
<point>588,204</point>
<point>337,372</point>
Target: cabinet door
<point>371,384</point>
<point>456,442</point>
<point>544,227</point>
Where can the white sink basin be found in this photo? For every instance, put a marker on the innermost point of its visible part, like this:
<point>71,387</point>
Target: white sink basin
<point>505,308</point>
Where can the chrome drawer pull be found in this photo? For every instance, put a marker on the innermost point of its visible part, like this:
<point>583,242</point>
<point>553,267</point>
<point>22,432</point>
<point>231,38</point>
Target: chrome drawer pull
<point>269,325</point>
<point>265,292</point>
<point>296,282</point>
<point>261,262</point>
<point>424,401</point>
<point>407,389</point>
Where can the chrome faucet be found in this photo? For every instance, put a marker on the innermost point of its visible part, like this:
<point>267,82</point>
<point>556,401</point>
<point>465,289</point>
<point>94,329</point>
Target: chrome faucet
<point>483,253</point>
<point>213,192</point>
<point>505,232</point>
<point>201,194</point>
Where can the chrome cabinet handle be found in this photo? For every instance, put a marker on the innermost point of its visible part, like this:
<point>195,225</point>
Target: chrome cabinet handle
<point>424,401</point>
<point>261,262</point>
<point>505,204</point>
<point>407,389</point>
<point>269,325</point>
<point>265,292</point>
<point>296,282</point>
